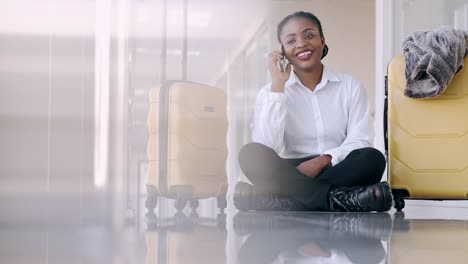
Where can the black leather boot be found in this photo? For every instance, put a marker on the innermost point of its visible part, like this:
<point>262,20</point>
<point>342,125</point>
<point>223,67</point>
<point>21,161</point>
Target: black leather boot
<point>245,199</point>
<point>377,197</point>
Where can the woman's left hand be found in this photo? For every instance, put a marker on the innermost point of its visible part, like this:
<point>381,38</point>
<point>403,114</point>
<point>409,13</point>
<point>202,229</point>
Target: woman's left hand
<point>315,166</point>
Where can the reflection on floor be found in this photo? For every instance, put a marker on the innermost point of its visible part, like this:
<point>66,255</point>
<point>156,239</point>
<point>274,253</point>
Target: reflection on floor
<point>424,234</point>
<point>186,239</point>
<point>312,237</point>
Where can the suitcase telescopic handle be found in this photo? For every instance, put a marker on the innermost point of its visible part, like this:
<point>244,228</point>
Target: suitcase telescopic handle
<point>385,118</point>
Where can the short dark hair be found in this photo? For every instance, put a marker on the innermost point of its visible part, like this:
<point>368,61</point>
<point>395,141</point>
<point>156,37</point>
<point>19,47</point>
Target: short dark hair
<point>301,14</point>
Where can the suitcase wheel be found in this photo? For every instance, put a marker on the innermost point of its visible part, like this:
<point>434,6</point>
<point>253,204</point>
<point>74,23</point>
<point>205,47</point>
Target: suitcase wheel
<point>180,204</point>
<point>194,204</point>
<point>151,202</point>
<point>399,203</point>
<point>182,193</point>
<point>152,199</point>
<point>398,197</point>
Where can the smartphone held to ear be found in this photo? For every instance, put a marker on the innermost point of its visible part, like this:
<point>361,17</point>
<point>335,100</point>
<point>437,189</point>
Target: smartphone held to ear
<point>283,63</point>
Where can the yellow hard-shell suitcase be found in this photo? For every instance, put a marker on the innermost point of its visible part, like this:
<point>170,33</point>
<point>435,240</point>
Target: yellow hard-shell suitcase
<point>427,139</point>
<point>187,147</point>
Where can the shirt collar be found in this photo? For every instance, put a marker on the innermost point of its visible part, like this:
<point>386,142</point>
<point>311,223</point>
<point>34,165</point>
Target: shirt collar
<point>327,76</point>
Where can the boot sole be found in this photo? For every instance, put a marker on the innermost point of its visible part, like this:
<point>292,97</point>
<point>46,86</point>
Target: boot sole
<point>387,197</point>
<point>242,196</point>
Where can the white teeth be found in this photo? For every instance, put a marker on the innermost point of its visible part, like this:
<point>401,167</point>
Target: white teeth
<point>302,54</point>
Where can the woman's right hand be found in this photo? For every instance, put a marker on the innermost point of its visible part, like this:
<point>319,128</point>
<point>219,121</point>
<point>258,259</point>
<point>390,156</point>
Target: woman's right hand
<point>278,78</point>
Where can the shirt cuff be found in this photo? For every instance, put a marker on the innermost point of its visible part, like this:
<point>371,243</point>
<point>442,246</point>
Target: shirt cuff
<point>334,154</point>
<point>277,97</point>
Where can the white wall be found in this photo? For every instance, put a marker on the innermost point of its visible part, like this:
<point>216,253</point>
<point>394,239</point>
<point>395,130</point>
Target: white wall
<point>417,15</point>
<point>46,98</point>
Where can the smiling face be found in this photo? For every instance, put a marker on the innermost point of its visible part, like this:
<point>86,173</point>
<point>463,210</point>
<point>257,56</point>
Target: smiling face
<point>302,43</point>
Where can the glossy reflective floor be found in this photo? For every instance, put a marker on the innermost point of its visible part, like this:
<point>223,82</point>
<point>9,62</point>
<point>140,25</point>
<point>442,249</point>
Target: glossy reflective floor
<point>87,230</point>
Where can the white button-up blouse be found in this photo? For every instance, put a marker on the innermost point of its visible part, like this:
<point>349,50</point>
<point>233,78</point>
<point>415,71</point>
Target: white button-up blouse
<point>333,119</point>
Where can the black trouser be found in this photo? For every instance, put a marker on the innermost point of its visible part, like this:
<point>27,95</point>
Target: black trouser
<point>268,172</point>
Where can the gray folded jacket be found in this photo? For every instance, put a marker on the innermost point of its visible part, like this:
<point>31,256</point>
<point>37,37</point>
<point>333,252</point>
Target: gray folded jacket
<point>432,59</point>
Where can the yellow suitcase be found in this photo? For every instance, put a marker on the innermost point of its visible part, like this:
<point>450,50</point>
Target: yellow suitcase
<point>187,147</point>
<point>427,139</point>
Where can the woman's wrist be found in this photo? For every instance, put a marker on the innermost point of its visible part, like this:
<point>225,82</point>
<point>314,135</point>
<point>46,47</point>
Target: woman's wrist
<point>327,160</point>
<point>277,87</point>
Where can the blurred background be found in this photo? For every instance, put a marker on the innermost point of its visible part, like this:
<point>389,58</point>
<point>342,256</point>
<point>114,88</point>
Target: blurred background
<point>75,78</point>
